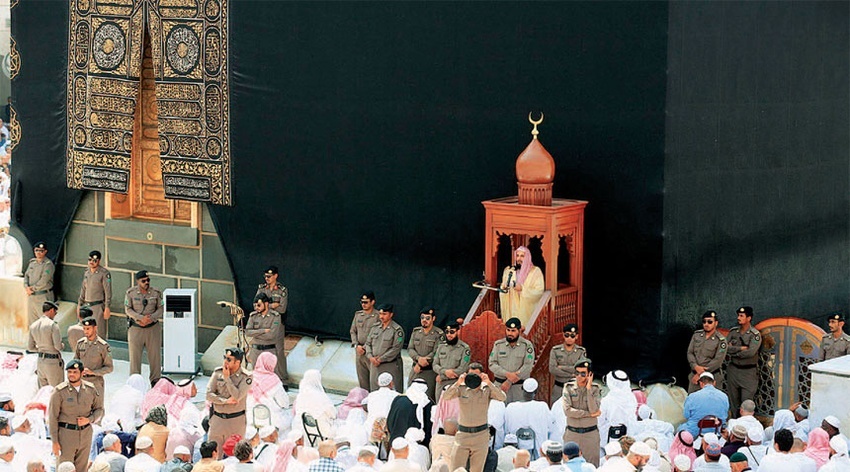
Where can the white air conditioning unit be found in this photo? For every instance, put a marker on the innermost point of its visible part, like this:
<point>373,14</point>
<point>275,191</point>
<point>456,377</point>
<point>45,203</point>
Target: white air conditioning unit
<point>179,331</point>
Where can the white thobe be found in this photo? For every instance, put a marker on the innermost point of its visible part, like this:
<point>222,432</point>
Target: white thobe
<point>529,414</point>
<point>379,403</point>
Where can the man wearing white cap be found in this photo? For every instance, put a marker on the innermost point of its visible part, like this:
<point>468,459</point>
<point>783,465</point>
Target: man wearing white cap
<point>838,462</point>
<point>399,463</point>
<point>7,453</point>
<point>528,414</point>
<point>27,445</point>
<point>681,463</point>
<point>265,452</point>
<point>708,401</point>
<point>754,450</point>
<point>832,426</point>
<point>638,457</point>
<point>7,406</point>
<point>613,453</point>
<point>541,462</point>
<point>379,401</point>
<point>649,427</point>
<point>112,453</point>
<point>180,462</point>
<point>143,461</point>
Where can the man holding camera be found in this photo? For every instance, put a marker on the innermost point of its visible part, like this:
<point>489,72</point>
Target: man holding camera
<point>475,390</point>
<point>143,306</point>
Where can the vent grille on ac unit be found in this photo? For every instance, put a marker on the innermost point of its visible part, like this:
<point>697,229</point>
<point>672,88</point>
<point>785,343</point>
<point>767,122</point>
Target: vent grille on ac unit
<point>178,303</point>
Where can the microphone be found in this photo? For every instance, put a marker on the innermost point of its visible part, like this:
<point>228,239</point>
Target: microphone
<point>510,276</point>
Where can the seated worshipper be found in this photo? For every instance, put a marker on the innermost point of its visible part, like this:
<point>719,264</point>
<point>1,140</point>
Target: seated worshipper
<point>573,462</point>
<point>801,416</point>
<point>112,453</point>
<point>541,462</point>
<point>738,463</point>
<point>782,419</point>
<point>267,389</point>
<point>354,401</point>
<point>229,458</point>
<point>659,460</point>
<point>313,400</point>
<point>354,429</point>
<point>126,402</point>
<point>832,426</point>
<point>557,420</point>
<point>441,443</point>
<point>683,445</point>
<point>208,462</point>
<point>186,433</point>
<point>264,453</point>
<point>817,447</point>
<point>681,464</point>
<point>400,462</point>
<point>838,462</point>
<point>109,425</point>
<point>417,392</point>
<point>506,454</point>
<point>638,456</point>
<point>401,417</point>
<point>186,391</point>
<point>804,462</point>
<point>649,427</point>
<point>180,462</point>
<point>366,460</point>
<point>27,445</point>
<point>617,407</point>
<point>746,417</point>
<point>523,286</point>
<point>244,454</point>
<point>613,452</point>
<point>417,453</point>
<point>327,456</point>
<point>379,401</point>
<point>521,461</point>
<point>142,461</point>
<point>36,411</point>
<point>284,458</point>
<point>712,460</point>
<point>554,454</point>
<point>305,455</point>
<point>23,384</point>
<point>158,395</point>
<point>754,449</point>
<point>780,460</point>
<point>156,430</point>
<point>7,406</point>
<point>708,400</point>
<point>445,409</point>
<point>496,419</point>
<point>528,414</point>
<point>346,457</point>
<point>737,440</point>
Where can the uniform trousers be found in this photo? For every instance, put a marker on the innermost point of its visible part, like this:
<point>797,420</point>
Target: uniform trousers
<point>362,364</point>
<point>394,368</point>
<point>741,384</point>
<point>149,338</point>
<point>223,428</point>
<point>588,443</point>
<point>472,447</point>
<point>50,372</point>
<point>97,313</point>
<point>75,447</point>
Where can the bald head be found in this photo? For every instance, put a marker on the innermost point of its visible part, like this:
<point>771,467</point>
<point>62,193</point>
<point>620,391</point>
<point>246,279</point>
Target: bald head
<point>327,449</point>
<point>521,459</point>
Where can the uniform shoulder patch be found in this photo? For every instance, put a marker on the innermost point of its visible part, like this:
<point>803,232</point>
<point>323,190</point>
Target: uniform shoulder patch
<point>529,349</point>
<point>722,343</point>
<point>248,381</point>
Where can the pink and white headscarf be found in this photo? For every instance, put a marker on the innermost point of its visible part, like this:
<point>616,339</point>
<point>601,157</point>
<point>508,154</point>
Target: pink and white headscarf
<point>527,265</point>
<point>264,380</point>
<point>158,395</point>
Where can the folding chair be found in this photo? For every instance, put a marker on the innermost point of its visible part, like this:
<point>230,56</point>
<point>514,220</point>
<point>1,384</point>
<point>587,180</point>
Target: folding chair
<point>710,423</point>
<point>311,428</point>
<point>527,440</point>
<point>262,416</point>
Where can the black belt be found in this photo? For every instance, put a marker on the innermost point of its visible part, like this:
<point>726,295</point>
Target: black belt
<point>45,355</point>
<point>559,384</point>
<point>474,429</point>
<point>41,292</point>
<point>227,416</point>
<point>137,325</point>
<point>582,430</point>
<point>713,372</point>
<point>744,366</point>
<point>497,379</point>
<point>72,426</point>
<point>91,304</point>
<point>263,347</point>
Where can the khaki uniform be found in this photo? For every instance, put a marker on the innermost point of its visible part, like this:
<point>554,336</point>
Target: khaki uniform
<point>271,341</point>
<point>96,294</point>
<point>579,405</point>
<point>505,358</point>
<point>562,366</point>
<point>97,357</point>
<point>361,325</point>
<point>456,358</point>
<point>66,405</point>
<point>742,379</point>
<point>385,344</point>
<point>831,348</point>
<point>136,306</point>
<point>277,294</point>
<point>45,339</point>
<point>227,419</point>
<point>473,437</point>
<point>709,353</point>
<point>39,276</point>
<point>424,344</point>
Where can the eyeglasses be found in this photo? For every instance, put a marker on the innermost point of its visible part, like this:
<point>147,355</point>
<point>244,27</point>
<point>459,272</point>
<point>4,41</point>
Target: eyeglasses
<point>228,359</point>
<point>581,374</point>
<point>267,276</point>
<point>93,259</point>
<point>364,302</point>
<point>144,281</point>
<point>43,250</point>
<point>570,335</point>
<point>425,317</point>
<point>451,331</point>
<point>707,322</point>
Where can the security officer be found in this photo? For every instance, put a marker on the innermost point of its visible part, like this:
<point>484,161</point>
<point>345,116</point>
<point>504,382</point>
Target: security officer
<point>837,342</point>
<point>74,406</point>
<point>227,393</point>
<point>383,349</point>
<point>581,406</point>
<point>474,390</point>
<point>277,293</point>
<point>706,351</point>
<point>265,327</point>
<point>423,345</point>
<point>38,281</point>
<point>511,360</point>
<point>96,293</point>
<point>45,339</point>
<point>143,306</point>
<point>451,359</point>
<point>361,325</point>
<point>743,341</point>
<point>562,360</point>
<point>94,353</point>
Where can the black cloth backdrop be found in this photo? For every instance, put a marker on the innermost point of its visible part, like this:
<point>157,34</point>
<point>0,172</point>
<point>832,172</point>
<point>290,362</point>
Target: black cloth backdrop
<point>365,136</point>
